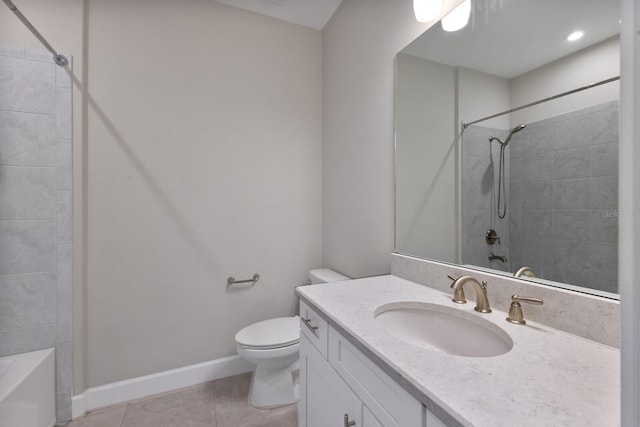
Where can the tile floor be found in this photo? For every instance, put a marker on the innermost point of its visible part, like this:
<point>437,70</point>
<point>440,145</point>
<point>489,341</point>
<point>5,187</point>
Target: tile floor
<point>221,403</point>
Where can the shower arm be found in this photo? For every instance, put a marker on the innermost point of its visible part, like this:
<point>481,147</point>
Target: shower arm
<point>57,57</point>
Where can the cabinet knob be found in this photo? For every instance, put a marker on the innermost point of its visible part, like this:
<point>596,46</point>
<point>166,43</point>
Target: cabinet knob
<point>348,423</point>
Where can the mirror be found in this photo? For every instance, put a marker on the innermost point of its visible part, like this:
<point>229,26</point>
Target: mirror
<point>473,186</point>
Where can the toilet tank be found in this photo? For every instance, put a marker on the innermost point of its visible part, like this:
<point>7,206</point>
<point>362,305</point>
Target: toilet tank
<point>325,275</point>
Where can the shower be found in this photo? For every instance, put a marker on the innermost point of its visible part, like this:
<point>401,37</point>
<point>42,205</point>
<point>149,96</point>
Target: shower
<point>501,180</point>
<point>506,141</point>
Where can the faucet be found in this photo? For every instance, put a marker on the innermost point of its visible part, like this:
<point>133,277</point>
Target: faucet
<point>493,257</point>
<point>482,303</point>
<point>524,271</point>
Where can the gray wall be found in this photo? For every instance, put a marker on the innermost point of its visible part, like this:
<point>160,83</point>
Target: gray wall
<point>35,211</point>
<point>360,43</point>
<point>480,163</point>
<point>425,159</point>
<point>564,198</point>
<point>203,162</point>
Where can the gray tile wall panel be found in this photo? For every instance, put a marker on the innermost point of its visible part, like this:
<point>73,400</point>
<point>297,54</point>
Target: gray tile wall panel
<point>27,86</point>
<point>36,250</point>
<point>27,301</point>
<point>27,139</point>
<point>563,196</point>
<point>27,193</point>
<point>27,247</point>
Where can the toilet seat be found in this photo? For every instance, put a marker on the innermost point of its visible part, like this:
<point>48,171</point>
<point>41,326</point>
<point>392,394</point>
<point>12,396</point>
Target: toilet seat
<point>270,334</point>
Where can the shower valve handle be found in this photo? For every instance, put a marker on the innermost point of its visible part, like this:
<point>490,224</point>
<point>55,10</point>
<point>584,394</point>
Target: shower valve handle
<point>491,237</point>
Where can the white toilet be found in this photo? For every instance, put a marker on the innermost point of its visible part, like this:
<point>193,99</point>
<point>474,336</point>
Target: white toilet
<point>272,345</point>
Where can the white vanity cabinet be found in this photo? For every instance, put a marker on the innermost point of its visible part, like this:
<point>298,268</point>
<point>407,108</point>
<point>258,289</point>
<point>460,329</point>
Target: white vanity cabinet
<point>337,379</point>
<point>324,398</point>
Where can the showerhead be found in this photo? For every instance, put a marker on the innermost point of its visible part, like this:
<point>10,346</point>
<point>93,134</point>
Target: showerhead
<point>518,128</point>
<point>514,130</point>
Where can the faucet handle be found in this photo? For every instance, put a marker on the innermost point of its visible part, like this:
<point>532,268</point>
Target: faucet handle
<point>458,293</point>
<point>530,300</point>
<point>515,311</point>
<point>482,306</point>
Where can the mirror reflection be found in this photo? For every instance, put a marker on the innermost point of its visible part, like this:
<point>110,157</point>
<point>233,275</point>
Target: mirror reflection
<point>483,182</point>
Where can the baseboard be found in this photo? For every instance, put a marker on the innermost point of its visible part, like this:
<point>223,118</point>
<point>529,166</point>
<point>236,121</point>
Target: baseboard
<point>161,382</point>
<point>78,405</point>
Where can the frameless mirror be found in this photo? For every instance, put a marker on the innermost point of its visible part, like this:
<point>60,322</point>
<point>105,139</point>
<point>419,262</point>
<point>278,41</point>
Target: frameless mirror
<point>506,142</point>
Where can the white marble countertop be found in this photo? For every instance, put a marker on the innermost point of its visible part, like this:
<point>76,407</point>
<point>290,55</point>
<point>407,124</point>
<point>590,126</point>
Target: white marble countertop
<point>548,378</point>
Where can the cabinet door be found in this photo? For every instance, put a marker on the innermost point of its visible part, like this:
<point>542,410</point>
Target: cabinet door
<point>389,403</point>
<point>324,397</point>
<point>368,420</point>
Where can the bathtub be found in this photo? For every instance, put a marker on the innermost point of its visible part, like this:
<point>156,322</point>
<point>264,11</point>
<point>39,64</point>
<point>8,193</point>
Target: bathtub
<point>27,389</point>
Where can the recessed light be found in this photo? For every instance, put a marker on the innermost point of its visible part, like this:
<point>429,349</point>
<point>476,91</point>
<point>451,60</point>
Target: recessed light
<point>576,35</point>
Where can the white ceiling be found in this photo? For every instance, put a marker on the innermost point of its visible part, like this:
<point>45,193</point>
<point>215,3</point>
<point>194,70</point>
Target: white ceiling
<point>510,37</point>
<point>310,13</point>
<point>504,37</point>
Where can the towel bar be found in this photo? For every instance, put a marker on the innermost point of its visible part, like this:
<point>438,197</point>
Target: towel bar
<point>232,280</point>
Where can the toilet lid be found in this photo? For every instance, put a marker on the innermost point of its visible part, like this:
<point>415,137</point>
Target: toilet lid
<point>272,333</point>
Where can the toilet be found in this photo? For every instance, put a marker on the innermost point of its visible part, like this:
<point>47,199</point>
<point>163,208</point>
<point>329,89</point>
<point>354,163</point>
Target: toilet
<point>272,345</point>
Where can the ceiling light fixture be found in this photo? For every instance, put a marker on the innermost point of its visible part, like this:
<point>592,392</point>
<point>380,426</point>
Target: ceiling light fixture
<point>458,18</point>
<point>576,35</point>
<point>426,10</point>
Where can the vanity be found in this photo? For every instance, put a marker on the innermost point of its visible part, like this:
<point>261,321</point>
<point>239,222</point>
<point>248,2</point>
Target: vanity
<point>354,372</point>
<point>506,162</point>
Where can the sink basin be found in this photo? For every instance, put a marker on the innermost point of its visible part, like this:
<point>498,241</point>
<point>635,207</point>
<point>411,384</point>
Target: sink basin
<point>446,328</point>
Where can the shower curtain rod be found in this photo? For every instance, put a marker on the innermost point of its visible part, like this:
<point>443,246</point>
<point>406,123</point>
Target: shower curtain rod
<point>560,95</point>
<point>57,58</point>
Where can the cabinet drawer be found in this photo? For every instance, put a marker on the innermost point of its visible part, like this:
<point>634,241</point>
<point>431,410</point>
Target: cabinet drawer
<point>388,402</point>
<point>314,327</point>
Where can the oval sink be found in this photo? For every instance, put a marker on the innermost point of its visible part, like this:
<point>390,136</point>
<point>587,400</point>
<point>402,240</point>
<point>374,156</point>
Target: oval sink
<point>448,329</point>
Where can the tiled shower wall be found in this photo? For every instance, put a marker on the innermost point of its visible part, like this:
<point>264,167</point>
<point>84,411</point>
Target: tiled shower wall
<point>562,190</point>
<point>35,211</point>
<point>480,166</point>
<point>564,198</point>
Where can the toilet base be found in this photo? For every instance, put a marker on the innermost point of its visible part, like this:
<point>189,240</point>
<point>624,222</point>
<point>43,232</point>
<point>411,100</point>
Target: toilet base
<point>272,388</point>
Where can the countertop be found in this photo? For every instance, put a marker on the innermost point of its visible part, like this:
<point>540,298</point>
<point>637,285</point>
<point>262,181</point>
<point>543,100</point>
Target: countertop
<point>548,378</point>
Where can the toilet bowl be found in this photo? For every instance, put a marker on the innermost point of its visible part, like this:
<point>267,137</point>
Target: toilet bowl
<point>273,346</point>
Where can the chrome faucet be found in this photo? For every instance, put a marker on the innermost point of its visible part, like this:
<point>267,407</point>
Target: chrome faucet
<point>482,303</point>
